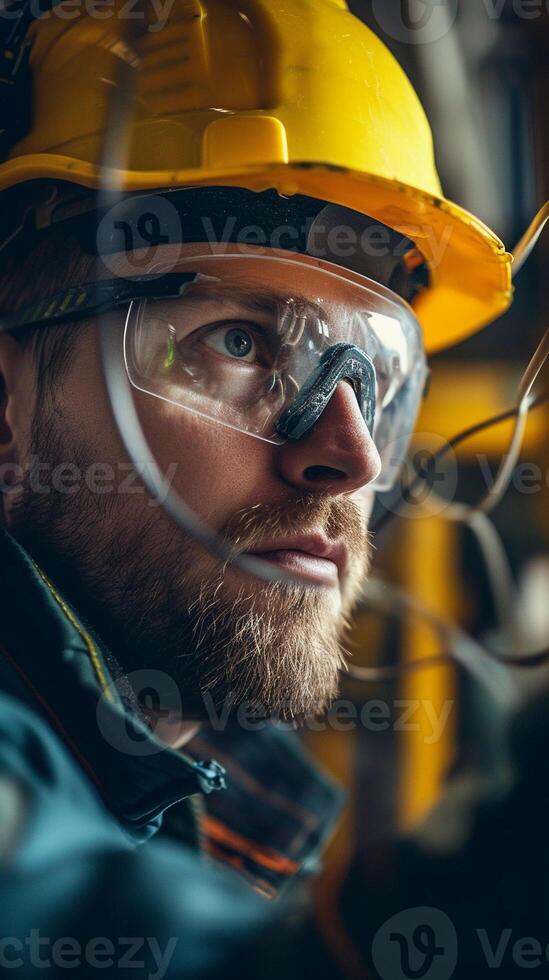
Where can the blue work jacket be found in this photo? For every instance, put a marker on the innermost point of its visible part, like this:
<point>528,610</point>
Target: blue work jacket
<point>118,853</point>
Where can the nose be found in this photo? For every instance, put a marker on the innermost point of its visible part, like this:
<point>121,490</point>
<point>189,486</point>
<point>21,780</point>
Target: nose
<point>337,455</point>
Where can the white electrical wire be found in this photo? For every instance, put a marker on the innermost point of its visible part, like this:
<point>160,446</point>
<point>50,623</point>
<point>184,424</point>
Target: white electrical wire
<point>459,647</point>
<point>476,518</point>
<point>529,240</point>
<point>498,569</point>
<point>464,513</point>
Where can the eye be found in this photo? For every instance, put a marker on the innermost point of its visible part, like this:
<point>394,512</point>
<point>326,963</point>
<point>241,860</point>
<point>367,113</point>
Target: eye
<point>233,341</point>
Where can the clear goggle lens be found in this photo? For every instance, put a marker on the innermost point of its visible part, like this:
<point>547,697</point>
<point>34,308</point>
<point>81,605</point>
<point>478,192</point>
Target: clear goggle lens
<point>249,331</point>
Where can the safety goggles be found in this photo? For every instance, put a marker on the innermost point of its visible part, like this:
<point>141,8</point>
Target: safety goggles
<point>259,343</point>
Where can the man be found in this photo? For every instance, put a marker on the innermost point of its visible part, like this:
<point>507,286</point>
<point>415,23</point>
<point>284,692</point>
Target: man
<point>223,318</point>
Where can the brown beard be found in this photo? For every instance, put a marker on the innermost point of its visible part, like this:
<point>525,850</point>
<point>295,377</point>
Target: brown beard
<point>158,601</point>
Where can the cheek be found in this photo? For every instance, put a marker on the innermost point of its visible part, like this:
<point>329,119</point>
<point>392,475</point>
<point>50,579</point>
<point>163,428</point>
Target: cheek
<point>216,470</point>
<point>365,500</point>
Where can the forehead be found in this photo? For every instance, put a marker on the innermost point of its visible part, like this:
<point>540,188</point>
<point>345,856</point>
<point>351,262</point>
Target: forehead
<point>247,294</point>
<point>270,271</point>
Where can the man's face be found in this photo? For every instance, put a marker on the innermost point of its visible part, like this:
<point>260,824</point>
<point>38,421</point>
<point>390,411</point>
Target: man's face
<point>157,597</point>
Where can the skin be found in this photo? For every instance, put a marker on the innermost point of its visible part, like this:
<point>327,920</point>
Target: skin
<point>243,487</point>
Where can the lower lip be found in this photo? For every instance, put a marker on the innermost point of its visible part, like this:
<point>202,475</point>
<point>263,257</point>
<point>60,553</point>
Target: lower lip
<point>310,567</point>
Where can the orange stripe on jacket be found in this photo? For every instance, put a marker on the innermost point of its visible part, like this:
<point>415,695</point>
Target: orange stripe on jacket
<point>264,856</point>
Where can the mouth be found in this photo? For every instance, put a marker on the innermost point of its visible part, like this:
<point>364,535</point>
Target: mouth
<point>311,557</point>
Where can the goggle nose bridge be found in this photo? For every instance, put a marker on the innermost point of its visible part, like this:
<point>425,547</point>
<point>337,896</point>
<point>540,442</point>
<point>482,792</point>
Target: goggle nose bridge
<point>341,362</point>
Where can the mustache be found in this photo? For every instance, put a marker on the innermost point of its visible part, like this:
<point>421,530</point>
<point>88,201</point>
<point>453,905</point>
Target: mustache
<point>337,518</point>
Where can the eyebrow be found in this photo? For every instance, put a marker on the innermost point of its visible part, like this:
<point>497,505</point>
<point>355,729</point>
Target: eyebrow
<point>257,300</point>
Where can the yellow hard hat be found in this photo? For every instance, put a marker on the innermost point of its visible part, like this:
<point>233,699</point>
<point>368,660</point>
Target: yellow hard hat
<point>296,95</point>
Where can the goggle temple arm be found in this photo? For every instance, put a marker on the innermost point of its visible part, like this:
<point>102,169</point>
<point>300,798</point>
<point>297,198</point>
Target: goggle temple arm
<point>89,299</point>
<point>340,362</point>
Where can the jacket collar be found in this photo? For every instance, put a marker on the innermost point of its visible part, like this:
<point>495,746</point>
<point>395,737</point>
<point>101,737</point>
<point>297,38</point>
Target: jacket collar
<point>65,670</point>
